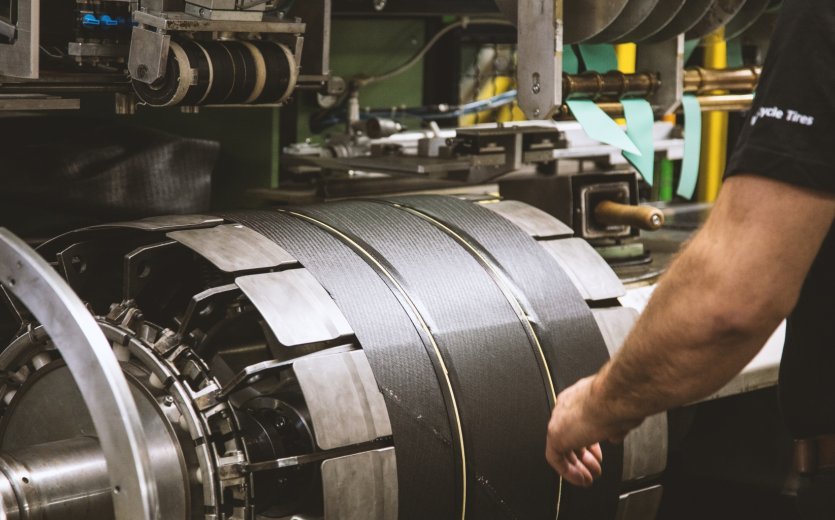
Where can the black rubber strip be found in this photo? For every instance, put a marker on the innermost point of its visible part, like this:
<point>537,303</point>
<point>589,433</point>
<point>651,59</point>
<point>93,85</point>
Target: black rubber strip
<point>244,72</point>
<point>397,352</point>
<point>501,397</point>
<point>200,62</point>
<point>278,71</point>
<point>223,75</point>
<point>569,335</point>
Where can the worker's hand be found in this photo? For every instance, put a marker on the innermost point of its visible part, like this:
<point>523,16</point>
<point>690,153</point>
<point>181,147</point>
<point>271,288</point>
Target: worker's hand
<point>577,426</point>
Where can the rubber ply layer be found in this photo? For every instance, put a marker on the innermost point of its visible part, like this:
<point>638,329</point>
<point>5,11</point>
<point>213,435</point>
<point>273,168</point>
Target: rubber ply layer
<point>397,351</point>
<point>470,328</point>
<point>568,334</point>
<point>499,391</point>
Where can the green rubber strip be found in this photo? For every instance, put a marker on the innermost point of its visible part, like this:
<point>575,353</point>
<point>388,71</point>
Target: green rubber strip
<point>665,181</point>
<point>735,59</point>
<point>600,57</point>
<point>600,126</point>
<point>570,63</point>
<point>689,48</point>
<point>692,146</point>
<point>639,126</point>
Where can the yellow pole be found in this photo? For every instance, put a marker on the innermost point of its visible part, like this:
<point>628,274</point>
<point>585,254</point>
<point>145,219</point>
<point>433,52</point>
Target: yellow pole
<point>627,54</point>
<point>714,126</point>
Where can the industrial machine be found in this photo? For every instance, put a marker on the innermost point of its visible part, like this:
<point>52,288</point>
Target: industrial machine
<point>162,53</point>
<point>310,363</point>
<point>374,357</point>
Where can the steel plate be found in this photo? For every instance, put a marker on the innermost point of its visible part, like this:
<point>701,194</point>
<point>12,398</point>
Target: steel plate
<point>720,14</point>
<point>662,15</point>
<point>352,487</point>
<point>692,12</point>
<point>635,13</point>
<point>745,18</point>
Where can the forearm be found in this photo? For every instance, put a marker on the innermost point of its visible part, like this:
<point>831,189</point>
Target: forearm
<point>720,300</point>
<point>688,343</point>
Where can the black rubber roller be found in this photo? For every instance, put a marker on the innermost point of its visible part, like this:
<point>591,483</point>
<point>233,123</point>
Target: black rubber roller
<point>281,72</point>
<point>201,68</point>
<point>223,73</point>
<point>173,87</point>
<point>244,72</point>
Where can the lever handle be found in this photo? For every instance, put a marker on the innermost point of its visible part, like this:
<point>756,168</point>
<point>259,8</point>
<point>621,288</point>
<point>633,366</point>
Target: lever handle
<point>616,214</point>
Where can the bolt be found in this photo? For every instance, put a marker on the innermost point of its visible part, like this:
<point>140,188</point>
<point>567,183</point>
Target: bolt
<point>141,71</point>
<point>168,400</point>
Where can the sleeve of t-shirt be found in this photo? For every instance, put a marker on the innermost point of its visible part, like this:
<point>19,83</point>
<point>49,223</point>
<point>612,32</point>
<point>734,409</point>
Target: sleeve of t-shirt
<point>790,132</point>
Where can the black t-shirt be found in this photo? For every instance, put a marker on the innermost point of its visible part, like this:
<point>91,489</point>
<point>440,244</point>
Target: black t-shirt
<point>790,136</point>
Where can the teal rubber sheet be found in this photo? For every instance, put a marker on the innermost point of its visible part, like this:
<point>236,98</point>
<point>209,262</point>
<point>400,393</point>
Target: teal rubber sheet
<point>600,57</point>
<point>735,60</point>
<point>639,126</point>
<point>600,126</point>
<point>570,63</point>
<point>689,48</point>
<point>692,146</point>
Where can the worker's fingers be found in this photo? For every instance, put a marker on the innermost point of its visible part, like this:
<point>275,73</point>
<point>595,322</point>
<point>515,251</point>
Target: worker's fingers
<point>589,460</point>
<point>580,474</point>
<point>597,452</point>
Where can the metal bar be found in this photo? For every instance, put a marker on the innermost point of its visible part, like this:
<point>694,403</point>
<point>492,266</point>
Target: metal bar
<point>181,22</point>
<point>310,458</point>
<point>698,80</point>
<point>726,103</point>
<point>701,80</point>
<point>37,103</point>
<point>612,84</point>
<point>66,88</point>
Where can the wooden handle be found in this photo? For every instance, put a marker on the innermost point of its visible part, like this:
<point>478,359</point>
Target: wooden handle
<point>642,217</point>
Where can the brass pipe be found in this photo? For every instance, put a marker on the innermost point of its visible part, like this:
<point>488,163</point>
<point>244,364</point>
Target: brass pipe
<point>700,80</point>
<point>726,102</point>
<point>611,85</point>
<point>616,85</point>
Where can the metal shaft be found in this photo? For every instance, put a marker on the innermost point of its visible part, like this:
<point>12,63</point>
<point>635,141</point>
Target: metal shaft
<point>615,85</point>
<point>65,480</point>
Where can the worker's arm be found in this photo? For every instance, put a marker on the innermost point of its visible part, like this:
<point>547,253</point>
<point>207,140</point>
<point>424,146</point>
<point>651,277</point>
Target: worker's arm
<point>712,311</point>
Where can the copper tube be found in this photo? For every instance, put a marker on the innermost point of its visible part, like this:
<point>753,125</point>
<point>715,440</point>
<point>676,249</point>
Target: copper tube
<point>616,85</point>
<point>727,102</point>
<point>700,80</point>
<point>611,85</point>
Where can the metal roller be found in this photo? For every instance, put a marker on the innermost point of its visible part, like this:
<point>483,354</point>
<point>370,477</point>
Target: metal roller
<point>745,18</point>
<point>223,73</point>
<point>718,15</point>
<point>632,16</point>
<point>689,15</point>
<point>582,19</point>
<point>657,19</point>
<point>387,359</point>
